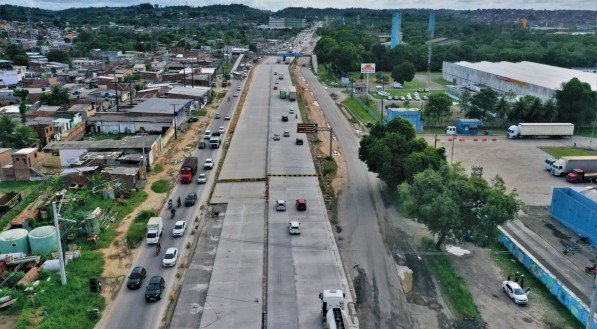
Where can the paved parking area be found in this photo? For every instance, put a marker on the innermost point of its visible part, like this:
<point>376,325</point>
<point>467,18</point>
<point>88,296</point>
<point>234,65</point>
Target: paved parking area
<point>518,162</point>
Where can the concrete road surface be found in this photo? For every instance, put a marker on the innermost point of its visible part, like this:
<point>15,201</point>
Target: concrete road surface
<point>360,208</point>
<point>130,310</point>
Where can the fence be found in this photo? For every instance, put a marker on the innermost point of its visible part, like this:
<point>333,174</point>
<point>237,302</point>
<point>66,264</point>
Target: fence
<point>374,113</point>
<point>565,296</point>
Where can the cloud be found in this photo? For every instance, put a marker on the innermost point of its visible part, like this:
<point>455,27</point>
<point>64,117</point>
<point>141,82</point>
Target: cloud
<point>277,5</point>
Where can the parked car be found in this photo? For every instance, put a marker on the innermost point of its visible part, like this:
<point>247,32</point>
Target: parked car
<point>190,199</point>
<point>179,228</point>
<point>155,288</point>
<point>170,257</point>
<point>136,277</point>
<point>276,137</point>
<point>294,227</point>
<point>202,178</point>
<point>227,117</point>
<point>280,205</point>
<point>192,119</point>
<point>515,292</point>
<point>301,204</point>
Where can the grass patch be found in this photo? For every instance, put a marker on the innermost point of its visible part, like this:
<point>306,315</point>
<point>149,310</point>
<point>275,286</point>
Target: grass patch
<point>329,167</point>
<point>138,227</point>
<point>562,151</point>
<point>560,316</point>
<point>358,111</point>
<point>21,187</point>
<point>75,298</point>
<point>326,77</point>
<point>586,132</point>
<point>156,169</point>
<point>160,186</point>
<point>220,95</point>
<point>199,113</point>
<point>452,285</point>
<point>440,81</point>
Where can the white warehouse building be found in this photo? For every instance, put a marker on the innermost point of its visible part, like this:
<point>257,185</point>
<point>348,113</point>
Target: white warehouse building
<point>523,78</point>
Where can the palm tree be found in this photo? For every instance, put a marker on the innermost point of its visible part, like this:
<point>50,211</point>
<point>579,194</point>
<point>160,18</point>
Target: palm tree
<point>22,94</point>
<point>57,96</point>
<point>23,136</point>
<point>7,127</point>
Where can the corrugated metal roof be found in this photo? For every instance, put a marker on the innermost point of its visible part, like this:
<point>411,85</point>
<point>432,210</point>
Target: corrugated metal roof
<point>542,75</point>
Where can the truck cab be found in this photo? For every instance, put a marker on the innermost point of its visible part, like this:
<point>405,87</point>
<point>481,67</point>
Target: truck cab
<point>332,307</point>
<point>579,176</point>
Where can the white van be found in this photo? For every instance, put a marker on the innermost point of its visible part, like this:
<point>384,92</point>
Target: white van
<point>450,130</point>
<point>207,134</point>
<point>294,228</point>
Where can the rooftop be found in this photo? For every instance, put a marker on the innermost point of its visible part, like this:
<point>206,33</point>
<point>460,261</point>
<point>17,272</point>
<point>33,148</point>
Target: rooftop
<point>160,105</point>
<point>103,116</point>
<point>190,91</point>
<point>128,171</point>
<point>542,75</point>
<point>25,151</point>
<point>128,142</point>
<point>77,170</point>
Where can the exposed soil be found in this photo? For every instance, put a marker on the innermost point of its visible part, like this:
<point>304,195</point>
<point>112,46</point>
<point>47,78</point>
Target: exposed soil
<point>8,322</point>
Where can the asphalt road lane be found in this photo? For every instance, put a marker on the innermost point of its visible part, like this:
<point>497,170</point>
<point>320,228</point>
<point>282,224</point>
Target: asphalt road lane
<point>130,310</point>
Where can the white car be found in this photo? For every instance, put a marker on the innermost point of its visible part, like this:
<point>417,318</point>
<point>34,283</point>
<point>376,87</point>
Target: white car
<point>235,94</point>
<point>170,257</point>
<point>280,205</point>
<point>294,227</point>
<point>202,178</point>
<point>179,228</point>
<point>227,117</point>
<point>515,292</point>
<point>238,88</point>
<point>221,130</point>
<point>291,111</point>
<point>207,134</point>
<point>209,164</point>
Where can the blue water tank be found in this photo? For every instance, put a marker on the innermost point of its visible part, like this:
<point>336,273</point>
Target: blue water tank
<point>43,240</point>
<point>468,126</point>
<point>14,241</point>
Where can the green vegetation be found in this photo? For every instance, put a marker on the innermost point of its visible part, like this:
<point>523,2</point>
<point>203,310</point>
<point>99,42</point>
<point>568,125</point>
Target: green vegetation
<point>220,95</point>
<point>67,306</point>
<point>21,187</point>
<point>138,227</point>
<point>440,81</point>
<point>329,167</point>
<point>561,317</point>
<point>199,113</point>
<point>156,169</point>
<point>452,285</point>
<point>15,135</point>
<point>562,151</point>
<point>28,198</point>
<point>325,76</point>
<point>587,132</point>
<point>160,186</point>
<point>357,111</point>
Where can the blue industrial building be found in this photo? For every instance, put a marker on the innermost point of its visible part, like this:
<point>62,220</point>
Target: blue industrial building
<point>395,40</point>
<point>577,210</point>
<point>468,126</point>
<point>411,115</point>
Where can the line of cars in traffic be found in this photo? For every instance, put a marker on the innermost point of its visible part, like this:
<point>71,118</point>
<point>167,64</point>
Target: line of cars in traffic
<point>294,227</point>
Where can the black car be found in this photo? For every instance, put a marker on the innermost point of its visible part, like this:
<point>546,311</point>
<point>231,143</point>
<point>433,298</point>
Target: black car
<point>192,119</point>
<point>201,145</point>
<point>284,118</point>
<point>299,141</point>
<point>155,288</point>
<point>136,278</point>
<point>190,199</point>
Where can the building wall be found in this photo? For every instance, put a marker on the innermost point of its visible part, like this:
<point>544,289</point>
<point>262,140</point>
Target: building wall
<point>5,158</point>
<point>114,127</point>
<point>69,156</point>
<point>575,211</point>
<point>75,134</point>
<point>462,75</point>
<point>414,117</point>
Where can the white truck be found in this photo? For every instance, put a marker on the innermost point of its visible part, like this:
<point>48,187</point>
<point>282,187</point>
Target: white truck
<point>549,130</point>
<point>154,230</point>
<point>215,140</point>
<point>565,165</point>
<point>333,310</point>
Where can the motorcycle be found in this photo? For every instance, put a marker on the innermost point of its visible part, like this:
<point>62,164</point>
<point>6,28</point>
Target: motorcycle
<point>169,203</point>
<point>158,248</point>
<point>172,213</point>
<point>591,269</point>
<point>178,203</point>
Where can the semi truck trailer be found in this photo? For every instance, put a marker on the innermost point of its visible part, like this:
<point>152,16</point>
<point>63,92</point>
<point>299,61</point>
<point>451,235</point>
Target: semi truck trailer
<point>534,130</point>
<point>333,310</point>
<point>565,165</point>
<point>292,94</point>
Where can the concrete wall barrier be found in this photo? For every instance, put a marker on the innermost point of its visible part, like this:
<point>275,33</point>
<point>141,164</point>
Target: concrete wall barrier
<point>565,296</point>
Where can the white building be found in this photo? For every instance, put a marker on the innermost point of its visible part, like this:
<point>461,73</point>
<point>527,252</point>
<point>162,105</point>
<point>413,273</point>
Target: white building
<point>523,78</point>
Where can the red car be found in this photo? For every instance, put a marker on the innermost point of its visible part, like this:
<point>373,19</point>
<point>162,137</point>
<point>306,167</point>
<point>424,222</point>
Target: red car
<point>301,204</point>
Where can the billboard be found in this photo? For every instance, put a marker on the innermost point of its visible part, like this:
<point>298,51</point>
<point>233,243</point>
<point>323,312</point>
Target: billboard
<point>367,67</point>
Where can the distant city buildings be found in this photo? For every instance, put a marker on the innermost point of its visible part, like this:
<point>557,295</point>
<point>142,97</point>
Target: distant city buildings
<point>286,23</point>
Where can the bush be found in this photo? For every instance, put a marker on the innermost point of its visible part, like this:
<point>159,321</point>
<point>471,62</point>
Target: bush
<point>136,231</point>
<point>160,186</point>
<point>158,168</point>
<point>329,167</point>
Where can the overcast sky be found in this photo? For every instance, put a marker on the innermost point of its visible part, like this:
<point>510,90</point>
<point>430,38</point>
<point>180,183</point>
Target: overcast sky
<point>275,5</point>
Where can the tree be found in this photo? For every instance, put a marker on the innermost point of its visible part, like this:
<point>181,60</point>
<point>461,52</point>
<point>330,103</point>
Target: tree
<point>21,60</point>
<point>382,78</point>
<point>23,136</point>
<point>577,103</point>
<point>483,104</point>
<point>451,204</point>
<point>57,96</point>
<point>502,108</point>
<point>7,127</point>
<point>403,72</point>
<point>22,94</point>
<point>395,153</point>
<point>439,105</point>
<point>58,56</point>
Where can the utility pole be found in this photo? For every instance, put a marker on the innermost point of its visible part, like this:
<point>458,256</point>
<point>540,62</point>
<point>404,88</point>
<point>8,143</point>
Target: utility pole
<point>175,128</point>
<point>116,92</point>
<point>60,254</point>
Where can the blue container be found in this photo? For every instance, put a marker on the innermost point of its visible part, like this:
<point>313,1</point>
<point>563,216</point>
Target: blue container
<point>468,126</point>
<point>576,211</point>
<point>411,115</point>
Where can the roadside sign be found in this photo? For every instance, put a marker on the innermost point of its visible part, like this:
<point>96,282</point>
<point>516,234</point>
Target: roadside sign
<point>306,128</point>
<point>367,67</point>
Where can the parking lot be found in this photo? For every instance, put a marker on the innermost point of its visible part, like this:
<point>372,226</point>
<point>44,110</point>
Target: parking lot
<point>518,162</point>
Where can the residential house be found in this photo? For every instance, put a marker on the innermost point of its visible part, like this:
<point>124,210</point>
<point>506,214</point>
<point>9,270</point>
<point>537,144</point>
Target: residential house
<point>199,94</point>
<point>129,177</point>
<point>23,161</point>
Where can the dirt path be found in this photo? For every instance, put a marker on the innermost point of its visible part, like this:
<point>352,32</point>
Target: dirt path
<point>118,256</point>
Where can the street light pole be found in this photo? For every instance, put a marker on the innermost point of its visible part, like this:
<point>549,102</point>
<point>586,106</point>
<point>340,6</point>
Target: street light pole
<point>175,128</point>
<point>60,254</point>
